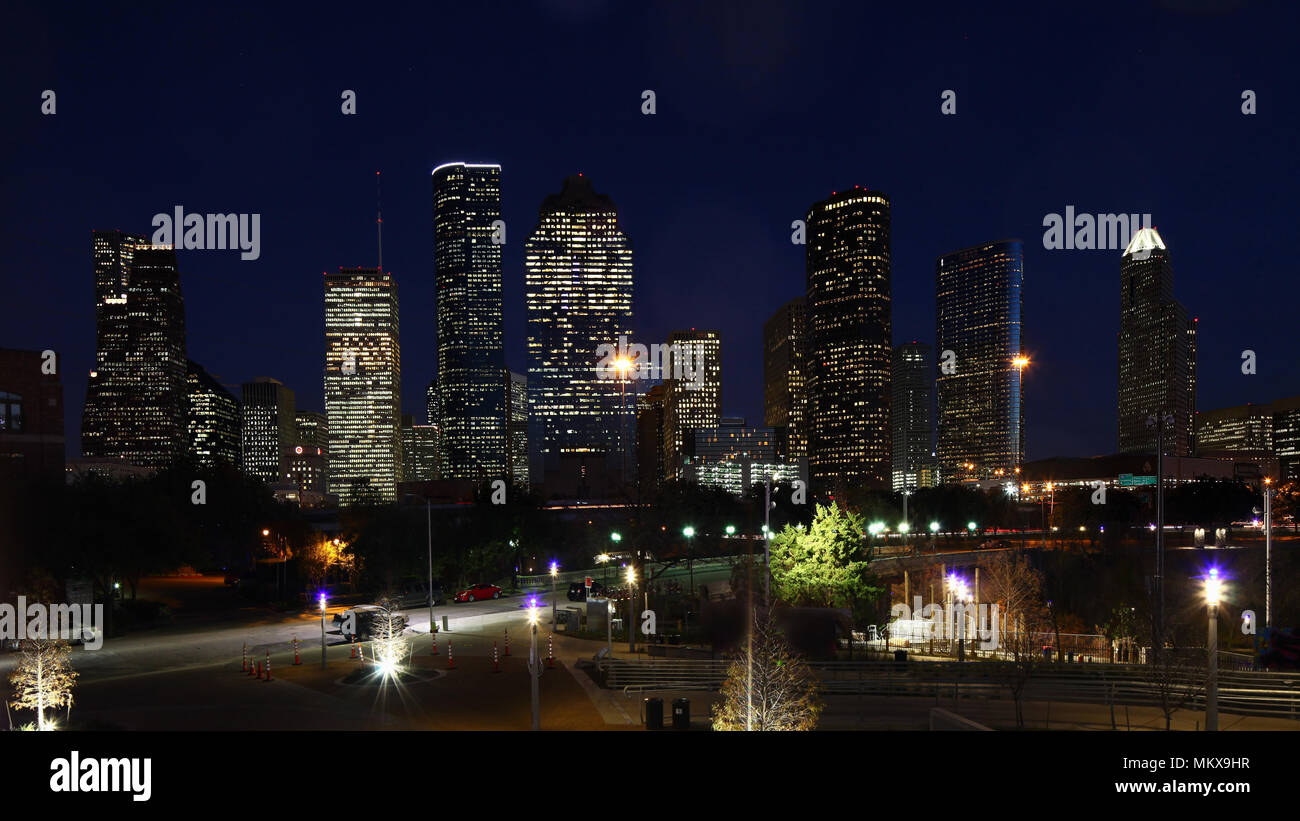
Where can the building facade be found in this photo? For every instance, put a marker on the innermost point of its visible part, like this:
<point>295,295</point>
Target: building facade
<point>578,292</point>
<point>213,419</point>
<point>978,307</point>
<point>468,235</point>
<point>849,340</point>
<point>650,441</point>
<point>421,451</point>
<point>516,391</point>
<point>31,415</point>
<point>785,366</point>
<point>268,430</point>
<point>135,399</point>
<point>690,404</point>
<point>1157,345</point>
<point>911,417</point>
<point>363,376</point>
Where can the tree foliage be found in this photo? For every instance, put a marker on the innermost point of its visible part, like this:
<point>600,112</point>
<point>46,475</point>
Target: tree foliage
<point>43,678</point>
<point>826,564</point>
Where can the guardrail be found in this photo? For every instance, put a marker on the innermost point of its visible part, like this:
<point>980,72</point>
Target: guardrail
<point>1242,693</point>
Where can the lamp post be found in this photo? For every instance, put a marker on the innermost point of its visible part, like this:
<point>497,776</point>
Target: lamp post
<point>322,630</point>
<point>555,572</point>
<point>535,669</point>
<point>631,607</point>
<point>767,535</point>
<point>623,365</point>
<point>934,534</point>
<point>689,533</point>
<point>1019,362</point>
<point>1268,552</point>
<point>1213,589</point>
<point>428,518</point>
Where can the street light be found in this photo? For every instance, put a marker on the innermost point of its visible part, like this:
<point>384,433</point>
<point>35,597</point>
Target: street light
<point>631,602</point>
<point>1020,362</point>
<point>970,526</point>
<point>1268,551</point>
<point>534,669</point>
<point>555,572</point>
<point>960,592</point>
<point>731,530</point>
<point>934,527</point>
<point>322,629</point>
<point>689,533</point>
<point>1213,591</point>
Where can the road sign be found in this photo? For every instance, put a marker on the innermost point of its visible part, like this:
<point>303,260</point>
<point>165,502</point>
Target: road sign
<point>1129,480</point>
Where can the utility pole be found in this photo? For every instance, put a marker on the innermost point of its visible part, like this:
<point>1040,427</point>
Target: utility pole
<point>1268,552</point>
<point>428,518</point>
<point>1158,421</point>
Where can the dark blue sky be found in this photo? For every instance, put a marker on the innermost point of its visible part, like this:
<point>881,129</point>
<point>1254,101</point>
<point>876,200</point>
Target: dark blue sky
<point>763,108</point>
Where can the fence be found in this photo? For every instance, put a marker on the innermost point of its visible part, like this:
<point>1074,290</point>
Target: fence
<point>1242,693</point>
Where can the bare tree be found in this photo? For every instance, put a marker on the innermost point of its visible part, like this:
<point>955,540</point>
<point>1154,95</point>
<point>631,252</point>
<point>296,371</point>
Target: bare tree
<point>43,678</point>
<point>784,694</point>
<point>1016,586</point>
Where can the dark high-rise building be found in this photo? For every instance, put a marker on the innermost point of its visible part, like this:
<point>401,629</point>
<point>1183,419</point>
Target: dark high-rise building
<point>849,343</point>
<point>312,428</point>
<point>467,242</point>
<point>578,286</point>
<point>135,406</point>
<point>516,385</point>
<point>268,430</point>
<point>692,393</point>
<point>911,417</point>
<point>1157,344</point>
<point>650,441</point>
<point>1286,437</point>
<point>420,451</point>
<point>31,416</point>
<point>363,384</point>
<point>978,335</point>
<point>785,389</point>
<point>212,419</point>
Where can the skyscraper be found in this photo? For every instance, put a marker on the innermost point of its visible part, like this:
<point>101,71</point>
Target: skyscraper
<point>977,318</point>
<point>911,416</point>
<point>467,240</point>
<point>578,288</point>
<point>785,389</point>
<point>690,404</point>
<point>135,401</point>
<point>849,344</point>
<point>363,374</point>
<point>650,441</point>
<point>516,390</point>
<point>268,430</point>
<point>1157,343</point>
<point>31,420</point>
<point>212,418</point>
<point>420,451</point>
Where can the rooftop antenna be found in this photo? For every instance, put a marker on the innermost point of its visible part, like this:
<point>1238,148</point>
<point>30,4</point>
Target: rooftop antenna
<point>379,220</point>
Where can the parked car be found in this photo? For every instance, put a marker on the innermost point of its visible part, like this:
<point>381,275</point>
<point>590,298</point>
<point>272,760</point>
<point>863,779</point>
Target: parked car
<point>478,592</point>
<point>358,622</point>
<point>578,591</point>
<point>995,544</point>
<point>411,593</point>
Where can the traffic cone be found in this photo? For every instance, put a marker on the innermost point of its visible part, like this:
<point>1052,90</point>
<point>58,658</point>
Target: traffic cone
<point>496,663</point>
<point>296,660</point>
<point>434,634</point>
<point>268,665</point>
<point>507,641</point>
<point>550,650</point>
<point>361,653</point>
<point>451,660</point>
<point>354,649</point>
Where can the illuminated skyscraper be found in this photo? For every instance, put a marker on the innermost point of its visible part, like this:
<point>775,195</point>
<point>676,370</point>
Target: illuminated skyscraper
<point>269,429</point>
<point>363,374</point>
<point>212,418</point>
<point>135,400</point>
<point>785,371</point>
<point>690,404</point>
<point>308,460</point>
<point>420,451</point>
<point>849,344</point>
<point>912,415</point>
<point>578,288</point>
<point>1157,349</point>
<point>516,385</point>
<point>467,242</point>
<point>977,318</point>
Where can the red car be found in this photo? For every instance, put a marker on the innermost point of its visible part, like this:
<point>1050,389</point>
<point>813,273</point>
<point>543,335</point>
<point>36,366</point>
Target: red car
<point>479,592</point>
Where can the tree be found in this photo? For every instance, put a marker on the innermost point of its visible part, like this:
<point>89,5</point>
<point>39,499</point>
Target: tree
<point>43,678</point>
<point>388,646</point>
<point>1017,588</point>
<point>785,694</point>
<point>826,565</point>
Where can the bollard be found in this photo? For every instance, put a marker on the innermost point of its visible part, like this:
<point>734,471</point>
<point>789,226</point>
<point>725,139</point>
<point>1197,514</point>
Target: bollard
<point>434,634</point>
<point>451,660</point>
<point>550,650</point>
<point>243,666</point>
<point>507,641</point>
<point>296,660</point>
<point>268,665</point>
<point>496,664</point>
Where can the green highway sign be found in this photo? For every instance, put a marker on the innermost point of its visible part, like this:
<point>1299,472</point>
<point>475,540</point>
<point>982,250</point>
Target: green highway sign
<point>1129,480</point>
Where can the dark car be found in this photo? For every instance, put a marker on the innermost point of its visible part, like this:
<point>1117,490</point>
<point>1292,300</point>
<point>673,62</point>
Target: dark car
<point>996,544</point>
<point>478,592</point>
<point>578,591</point>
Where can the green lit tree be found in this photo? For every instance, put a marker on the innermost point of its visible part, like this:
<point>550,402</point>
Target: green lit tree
<point>826,564</point>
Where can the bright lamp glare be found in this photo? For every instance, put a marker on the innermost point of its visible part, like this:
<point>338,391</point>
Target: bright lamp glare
<point>1213,587</point>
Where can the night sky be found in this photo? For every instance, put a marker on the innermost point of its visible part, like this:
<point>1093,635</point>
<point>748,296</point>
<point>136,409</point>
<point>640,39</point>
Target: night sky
<point>763,109</point>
